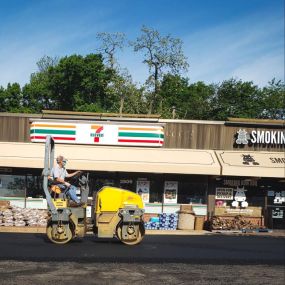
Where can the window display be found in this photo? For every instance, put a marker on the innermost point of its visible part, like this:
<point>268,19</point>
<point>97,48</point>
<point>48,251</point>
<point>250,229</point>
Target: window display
<point>143,190</point>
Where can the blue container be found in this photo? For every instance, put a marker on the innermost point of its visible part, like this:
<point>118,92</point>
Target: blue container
<point>154,219</point>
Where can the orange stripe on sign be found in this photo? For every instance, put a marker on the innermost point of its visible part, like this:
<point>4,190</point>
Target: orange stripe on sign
<point>140,129</point>
<point>54,126</point>
<point>95,127</point>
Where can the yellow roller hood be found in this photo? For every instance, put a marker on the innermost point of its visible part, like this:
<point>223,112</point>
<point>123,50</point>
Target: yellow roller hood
<point>111,199</point>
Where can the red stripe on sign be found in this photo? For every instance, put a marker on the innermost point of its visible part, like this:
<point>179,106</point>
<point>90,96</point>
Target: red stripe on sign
<point>138,141</point>
<point>55,138</point>
<point>37,138</point>
<point>64,139</point>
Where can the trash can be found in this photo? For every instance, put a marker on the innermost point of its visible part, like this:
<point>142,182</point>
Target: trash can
<point>186,221</point>
<point>199,223</point>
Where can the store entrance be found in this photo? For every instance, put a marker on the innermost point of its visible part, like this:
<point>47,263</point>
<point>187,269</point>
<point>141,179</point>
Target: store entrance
<point>276,217</point>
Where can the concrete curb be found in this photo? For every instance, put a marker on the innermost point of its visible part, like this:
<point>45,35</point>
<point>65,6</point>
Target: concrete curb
<point>42,230</point>
<point>23,230</point>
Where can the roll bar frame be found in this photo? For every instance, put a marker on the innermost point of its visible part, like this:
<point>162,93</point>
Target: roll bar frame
<point>48,165</point>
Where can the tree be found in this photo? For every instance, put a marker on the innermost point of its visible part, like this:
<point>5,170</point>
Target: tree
<point>46,62</point>
<point>189,101</point>
<point>172,94</point>
<point>37,95</point>
<point>273,100</point>
<point>110,44</point>
<point>121,81</point>
<point>79,83</point>
<point>198,101</point>
<point>127,98</point>
<point>235,98</point>
<point>2,99</point>
<point>13,99</point>
<point>162,54</point>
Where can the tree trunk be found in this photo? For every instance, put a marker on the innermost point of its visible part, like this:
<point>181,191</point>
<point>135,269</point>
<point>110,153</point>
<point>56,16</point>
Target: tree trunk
<point>154,95</point>
<point>121,105</point>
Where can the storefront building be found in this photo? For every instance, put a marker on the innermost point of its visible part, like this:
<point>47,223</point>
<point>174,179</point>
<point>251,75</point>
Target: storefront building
<point>224,169</point>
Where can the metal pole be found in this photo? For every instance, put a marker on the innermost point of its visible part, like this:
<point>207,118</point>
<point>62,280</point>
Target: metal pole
<point>25,200</point>
<point>48,164</point>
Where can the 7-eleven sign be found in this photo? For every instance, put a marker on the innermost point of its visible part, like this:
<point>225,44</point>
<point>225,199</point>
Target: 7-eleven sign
<point>97,132</point>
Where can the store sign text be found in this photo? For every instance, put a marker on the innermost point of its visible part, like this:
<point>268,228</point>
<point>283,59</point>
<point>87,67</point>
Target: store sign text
<point>237,182</point>
<point>277,160</point>
<point>224,194</point>
<point>260,137</point>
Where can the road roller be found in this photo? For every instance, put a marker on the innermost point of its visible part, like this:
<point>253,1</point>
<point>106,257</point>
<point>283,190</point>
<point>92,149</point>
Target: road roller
<point>117,213</point>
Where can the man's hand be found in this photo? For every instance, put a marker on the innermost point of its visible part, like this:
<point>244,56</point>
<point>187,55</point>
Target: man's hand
<point>67,184</point>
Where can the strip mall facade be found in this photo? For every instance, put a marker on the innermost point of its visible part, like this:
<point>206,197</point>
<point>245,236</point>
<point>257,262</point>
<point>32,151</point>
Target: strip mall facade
<point>223,168</point>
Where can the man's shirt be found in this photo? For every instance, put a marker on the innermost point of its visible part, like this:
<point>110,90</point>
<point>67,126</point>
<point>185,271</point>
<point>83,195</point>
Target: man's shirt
<point>59,172</point>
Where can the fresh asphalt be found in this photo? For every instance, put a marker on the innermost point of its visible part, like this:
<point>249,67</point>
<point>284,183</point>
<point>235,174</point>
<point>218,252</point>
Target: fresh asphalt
<point>204,249</point>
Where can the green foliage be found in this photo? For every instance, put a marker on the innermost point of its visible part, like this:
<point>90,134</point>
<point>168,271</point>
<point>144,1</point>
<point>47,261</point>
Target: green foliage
<point>198,101</point>
<point>72,84</point>
<point>172,94</point>
<point>85,83</point>
<point>238,99</point>
<point>273,100</point>
<point>36,95</point>
<point>11,99</point>
<point>190,101</point>
<point>3,107</point>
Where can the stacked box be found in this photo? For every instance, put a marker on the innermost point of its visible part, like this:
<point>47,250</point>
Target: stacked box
<point>168,221</point>
<point>153,224</point>
<point>163,222</point>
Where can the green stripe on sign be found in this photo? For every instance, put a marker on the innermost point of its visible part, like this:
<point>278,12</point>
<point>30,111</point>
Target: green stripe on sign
<point>51,132</point>
<point>140,135</point>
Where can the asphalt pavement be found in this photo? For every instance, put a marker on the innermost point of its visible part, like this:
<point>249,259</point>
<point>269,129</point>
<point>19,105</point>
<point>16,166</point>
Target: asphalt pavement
<point>29,259</point>
<point>204,249</point>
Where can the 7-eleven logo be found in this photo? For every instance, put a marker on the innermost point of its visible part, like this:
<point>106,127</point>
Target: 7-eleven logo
<point>97,134</point>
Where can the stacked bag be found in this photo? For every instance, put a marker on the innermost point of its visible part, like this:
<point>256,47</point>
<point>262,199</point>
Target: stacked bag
<point>235,223</point>
<point>163,222</point>
<point>11,216</point>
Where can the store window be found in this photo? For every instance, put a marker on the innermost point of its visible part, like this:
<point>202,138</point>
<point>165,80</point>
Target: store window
<point>192,192</point>
<point>35,186</point>
<point>12,185</point>
<point>20,182</point>
<point>239,196</point>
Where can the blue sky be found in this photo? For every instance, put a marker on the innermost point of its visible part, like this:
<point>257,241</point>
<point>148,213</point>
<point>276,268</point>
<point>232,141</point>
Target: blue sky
<point>222,38</point>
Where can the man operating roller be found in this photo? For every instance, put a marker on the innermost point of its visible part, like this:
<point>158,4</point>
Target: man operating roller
<point>59,174</point>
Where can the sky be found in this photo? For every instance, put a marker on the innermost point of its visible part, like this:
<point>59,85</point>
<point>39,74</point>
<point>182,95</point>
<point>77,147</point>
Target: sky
<point>222,39</point>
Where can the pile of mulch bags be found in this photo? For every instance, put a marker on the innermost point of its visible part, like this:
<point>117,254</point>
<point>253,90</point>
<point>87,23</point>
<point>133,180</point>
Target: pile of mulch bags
<point>11,216</point>
<point>235,223</point>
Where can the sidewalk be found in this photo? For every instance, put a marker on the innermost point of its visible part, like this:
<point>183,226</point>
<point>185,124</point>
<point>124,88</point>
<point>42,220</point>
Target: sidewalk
<point>271,233</point>
<point>177,232</point>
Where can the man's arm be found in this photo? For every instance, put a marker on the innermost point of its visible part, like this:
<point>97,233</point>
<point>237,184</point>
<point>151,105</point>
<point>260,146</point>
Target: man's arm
<point>69,175</point>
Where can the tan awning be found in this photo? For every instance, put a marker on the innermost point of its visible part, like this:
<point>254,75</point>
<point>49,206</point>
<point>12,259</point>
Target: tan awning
<point>249,163</point>
<point>105,158</point>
